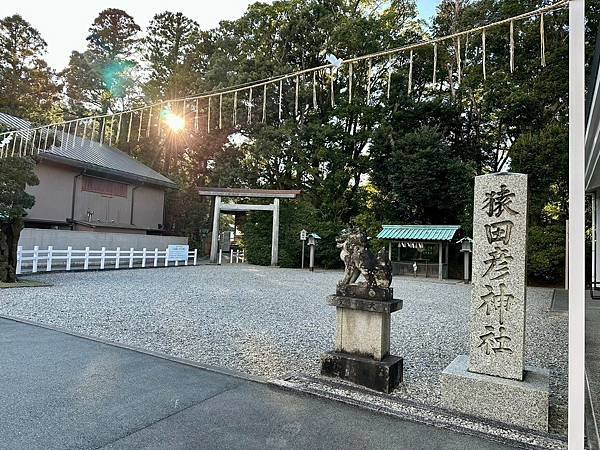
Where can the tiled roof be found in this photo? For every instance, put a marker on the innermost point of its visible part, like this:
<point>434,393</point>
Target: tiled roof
<point>418,232</point>
<point>75,151</point>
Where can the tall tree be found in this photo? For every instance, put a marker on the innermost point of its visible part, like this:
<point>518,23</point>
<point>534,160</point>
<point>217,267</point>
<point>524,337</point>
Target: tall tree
<point>102,78</point>
<point>29,87</point>
<point>176,51</point>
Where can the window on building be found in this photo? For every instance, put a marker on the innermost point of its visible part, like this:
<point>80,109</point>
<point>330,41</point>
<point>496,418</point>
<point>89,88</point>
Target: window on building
<point>104,187</point>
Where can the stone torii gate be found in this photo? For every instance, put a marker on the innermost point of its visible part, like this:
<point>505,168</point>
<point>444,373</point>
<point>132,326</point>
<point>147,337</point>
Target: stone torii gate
<point>220,207</point>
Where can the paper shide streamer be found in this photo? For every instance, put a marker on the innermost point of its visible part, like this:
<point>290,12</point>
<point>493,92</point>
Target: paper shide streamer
<point>149,119</point>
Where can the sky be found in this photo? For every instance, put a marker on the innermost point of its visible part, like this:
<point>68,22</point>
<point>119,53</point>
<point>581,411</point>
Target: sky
<point>64,24</point>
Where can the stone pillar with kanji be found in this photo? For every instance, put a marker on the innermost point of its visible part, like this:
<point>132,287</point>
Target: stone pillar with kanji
<point>492,381</point>
<point>498,299</point>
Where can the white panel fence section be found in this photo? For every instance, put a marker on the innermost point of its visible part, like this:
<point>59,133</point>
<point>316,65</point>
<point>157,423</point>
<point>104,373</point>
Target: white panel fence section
<point>239,256</point>
<point>46,260</point>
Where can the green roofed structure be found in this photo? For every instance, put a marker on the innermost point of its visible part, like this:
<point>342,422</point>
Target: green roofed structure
<point>422,249</point>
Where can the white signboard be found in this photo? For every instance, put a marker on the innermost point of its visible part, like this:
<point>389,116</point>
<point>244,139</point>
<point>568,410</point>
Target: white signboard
<point>303,235</point>
<point>178,252</point>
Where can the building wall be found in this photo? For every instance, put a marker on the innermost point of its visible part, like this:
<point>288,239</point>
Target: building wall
<point>54,200</point>
<point>148,205</point>
<point>104,208</point>
<point>54,193</point>
<point>61,239</point>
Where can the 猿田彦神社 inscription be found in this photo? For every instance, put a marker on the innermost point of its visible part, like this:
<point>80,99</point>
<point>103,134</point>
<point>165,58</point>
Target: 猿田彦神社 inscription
<point>498,303</point>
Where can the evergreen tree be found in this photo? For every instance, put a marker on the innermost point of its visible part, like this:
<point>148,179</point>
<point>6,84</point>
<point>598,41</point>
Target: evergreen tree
<point>29,89</point>
<point>16,174</point>
<point>102,78</point>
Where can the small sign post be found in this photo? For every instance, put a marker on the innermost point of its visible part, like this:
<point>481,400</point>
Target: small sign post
<point>178,253</point>
<point>303,234</point>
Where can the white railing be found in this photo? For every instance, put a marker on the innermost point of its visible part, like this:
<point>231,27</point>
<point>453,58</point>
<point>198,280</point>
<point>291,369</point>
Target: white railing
<point>72,259</point>
<point>239,256</point>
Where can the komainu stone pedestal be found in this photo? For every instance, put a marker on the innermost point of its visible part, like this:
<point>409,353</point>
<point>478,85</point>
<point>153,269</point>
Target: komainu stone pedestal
<point>382,376</point>
<point>362,340</point>
<point>520,403</point>
<point>363,309</point>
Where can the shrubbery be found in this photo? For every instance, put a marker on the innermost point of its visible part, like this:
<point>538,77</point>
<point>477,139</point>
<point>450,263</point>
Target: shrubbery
<point>546,254</point>
<point>294,216</point>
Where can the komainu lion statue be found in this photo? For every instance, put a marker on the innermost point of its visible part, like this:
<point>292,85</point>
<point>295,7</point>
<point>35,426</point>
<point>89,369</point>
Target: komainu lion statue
<point>359,259</point>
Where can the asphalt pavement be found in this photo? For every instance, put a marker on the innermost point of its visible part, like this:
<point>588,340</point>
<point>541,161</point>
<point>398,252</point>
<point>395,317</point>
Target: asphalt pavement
<point>61,391</point>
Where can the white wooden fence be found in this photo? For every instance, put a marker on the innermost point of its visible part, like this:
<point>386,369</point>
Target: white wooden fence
<point>37,260</point>
<point>239,256</point>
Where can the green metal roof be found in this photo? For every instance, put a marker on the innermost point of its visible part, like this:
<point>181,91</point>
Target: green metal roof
<point>418,232</point>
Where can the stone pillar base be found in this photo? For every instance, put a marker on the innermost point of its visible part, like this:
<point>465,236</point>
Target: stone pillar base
<point>521,403</point>
<point>382,376</point>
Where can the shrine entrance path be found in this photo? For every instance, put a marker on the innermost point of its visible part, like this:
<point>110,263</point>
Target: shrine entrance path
<point>64,391</point>
<point>269,322</point>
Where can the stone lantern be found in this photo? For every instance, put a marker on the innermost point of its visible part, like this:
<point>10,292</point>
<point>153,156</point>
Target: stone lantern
<point>312,243</point>
<point>466,250</point>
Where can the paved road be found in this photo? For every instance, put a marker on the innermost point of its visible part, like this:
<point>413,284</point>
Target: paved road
<point>62,391</point>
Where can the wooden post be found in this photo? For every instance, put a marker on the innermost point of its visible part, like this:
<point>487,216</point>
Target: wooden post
<point>466,258</point>
<point>594,241</point>
<point>275,235</point>
<point>440,264</point>
<point>576,416</point>
<point>86,261</point>
<point>214,245</point>
<point>49,259</point>
<point>195,256</point>
<point>144,257</point>
<point>567,255</point>
<point>156,257</point>
<point>167,257</point>
<point>117,256</point>
<point>131,257</point>
<point>19,259</point>
<point>447,260</point>
<point>69,254</point>
<point>102,257</point>
<point>35,259</point>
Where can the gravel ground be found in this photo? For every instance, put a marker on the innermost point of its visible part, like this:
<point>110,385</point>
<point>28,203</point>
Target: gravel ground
<point>270,322</point>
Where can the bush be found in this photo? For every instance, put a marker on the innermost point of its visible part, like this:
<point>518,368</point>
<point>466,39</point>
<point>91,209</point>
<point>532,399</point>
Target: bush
<point>546,254</point>
<point>293,217</point>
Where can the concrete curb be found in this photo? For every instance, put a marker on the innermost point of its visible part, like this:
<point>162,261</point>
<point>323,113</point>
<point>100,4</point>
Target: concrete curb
<point>428,415</point>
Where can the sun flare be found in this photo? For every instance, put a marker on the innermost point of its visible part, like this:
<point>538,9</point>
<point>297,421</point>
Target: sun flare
<point>174,122</point>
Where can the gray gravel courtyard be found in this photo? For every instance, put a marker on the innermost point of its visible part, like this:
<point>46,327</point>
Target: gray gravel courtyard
<point>269,321</point>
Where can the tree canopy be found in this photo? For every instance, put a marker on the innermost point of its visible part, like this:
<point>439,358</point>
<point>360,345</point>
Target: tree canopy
<point>404,157</point>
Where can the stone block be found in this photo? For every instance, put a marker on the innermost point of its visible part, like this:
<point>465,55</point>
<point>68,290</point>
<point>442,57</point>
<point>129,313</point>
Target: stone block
<point>363,333</point>
<point>497,337</point>
<point>382,376</point>
<point>362,290</point>
<point>365,305</point>
<point>518,403</point>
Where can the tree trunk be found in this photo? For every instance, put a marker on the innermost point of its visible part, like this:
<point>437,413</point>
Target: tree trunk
<point>9,240</point>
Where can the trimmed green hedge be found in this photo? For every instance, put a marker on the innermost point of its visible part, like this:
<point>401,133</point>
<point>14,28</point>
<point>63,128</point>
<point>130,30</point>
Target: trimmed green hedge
<point>546,254</point>
<point>293,217</point>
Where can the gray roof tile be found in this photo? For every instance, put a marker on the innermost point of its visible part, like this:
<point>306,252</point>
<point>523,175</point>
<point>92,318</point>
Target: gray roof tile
<point>73,150</point>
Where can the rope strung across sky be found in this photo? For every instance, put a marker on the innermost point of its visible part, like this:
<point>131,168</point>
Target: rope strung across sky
<point>216,107</point>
